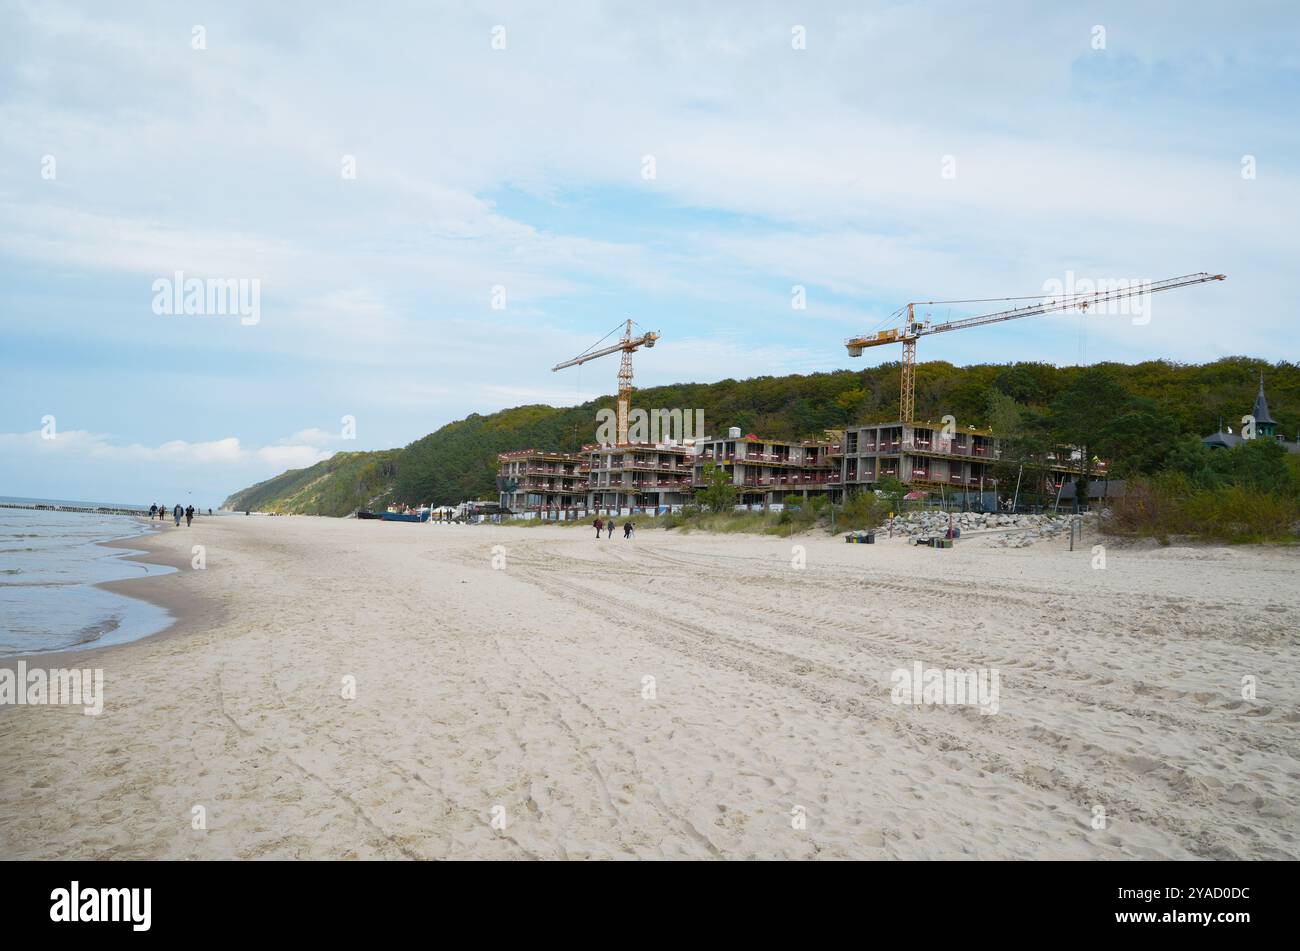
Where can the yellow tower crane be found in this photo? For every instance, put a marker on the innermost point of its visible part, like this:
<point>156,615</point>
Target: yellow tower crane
<point>627,346</point>
<point>913,329</point>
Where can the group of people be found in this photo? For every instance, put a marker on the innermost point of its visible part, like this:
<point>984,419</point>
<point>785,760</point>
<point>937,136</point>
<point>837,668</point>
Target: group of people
<point>602,525</point>
<point>177,513</point>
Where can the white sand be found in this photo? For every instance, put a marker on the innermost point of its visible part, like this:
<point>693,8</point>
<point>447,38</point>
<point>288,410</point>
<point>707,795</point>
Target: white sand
<point>522,688</point>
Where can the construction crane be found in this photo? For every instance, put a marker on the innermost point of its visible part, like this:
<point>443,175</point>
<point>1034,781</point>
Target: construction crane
<point>913,329</point>
<point>627,345</point>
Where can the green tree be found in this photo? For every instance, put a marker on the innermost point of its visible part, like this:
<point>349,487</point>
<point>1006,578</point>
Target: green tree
<point>892,491</point>
<point>459,460</point>
<point>1025,443</point>
<point>719,493</point>
<point>1004,415</point>
<point>1193,460</point>
<point>1082,414</point>
<point>1258,464</point>
<point>1139,438</point>
<point>1028,383</point>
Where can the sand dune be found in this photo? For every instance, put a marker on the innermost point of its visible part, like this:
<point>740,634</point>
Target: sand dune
<point>521,694</point>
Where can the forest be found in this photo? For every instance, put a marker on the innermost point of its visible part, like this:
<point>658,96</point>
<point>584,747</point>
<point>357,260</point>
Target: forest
<point>1145,418</point>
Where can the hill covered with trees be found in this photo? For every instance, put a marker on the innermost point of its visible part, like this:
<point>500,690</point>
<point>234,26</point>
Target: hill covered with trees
<point>338,486</point>
<point>1136,414</point>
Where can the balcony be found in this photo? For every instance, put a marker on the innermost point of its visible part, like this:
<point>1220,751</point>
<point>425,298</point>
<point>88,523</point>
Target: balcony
<point>942,447</point>
<point>786,481</point>
<point>655,466</point>
<point>550,470</point>
<point>532,485</point>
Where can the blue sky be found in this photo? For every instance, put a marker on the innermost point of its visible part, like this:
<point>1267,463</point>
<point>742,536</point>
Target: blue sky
<point>522,168</point>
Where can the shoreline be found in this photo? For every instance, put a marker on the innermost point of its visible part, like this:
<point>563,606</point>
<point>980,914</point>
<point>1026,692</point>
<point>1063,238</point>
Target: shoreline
<point>332,688</point>
<point>187,607</point>
<point>160,591</point>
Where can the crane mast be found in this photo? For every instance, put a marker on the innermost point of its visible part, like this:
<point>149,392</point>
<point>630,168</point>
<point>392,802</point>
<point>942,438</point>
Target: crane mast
<point>628,345</point>
<point>913,329</point>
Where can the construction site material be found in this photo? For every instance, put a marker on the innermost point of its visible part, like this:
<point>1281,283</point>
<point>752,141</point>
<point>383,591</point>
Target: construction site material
<point>975,523</point>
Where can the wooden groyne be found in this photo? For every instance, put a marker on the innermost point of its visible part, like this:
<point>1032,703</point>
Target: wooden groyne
<point>84,509</point>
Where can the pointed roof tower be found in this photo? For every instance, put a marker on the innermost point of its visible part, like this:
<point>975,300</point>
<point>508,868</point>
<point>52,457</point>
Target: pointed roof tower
<point>1260,411</point>
<point>1265,424</point>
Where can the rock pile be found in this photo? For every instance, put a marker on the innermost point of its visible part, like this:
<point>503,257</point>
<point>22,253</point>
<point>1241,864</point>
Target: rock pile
<point>1020,530</point>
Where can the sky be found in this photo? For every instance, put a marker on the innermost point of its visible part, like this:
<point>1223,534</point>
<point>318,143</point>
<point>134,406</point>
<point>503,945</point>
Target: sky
<point>436,203</point>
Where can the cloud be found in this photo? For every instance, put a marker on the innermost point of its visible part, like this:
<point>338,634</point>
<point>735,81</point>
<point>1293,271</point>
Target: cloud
<point>312,437</point>
<point>213,452</point>
<point>44,467</point>
<point>290,457</point>
<point>522,169</point>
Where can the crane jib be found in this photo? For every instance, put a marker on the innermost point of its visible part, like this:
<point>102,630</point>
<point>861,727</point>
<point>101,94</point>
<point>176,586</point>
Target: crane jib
<point>1080,302</point>
<point>913,329</point>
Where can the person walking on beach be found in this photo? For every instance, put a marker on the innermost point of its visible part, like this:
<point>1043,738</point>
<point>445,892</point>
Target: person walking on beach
<point>610,526</point>
<point>189,515</point>
<point>627,530</point>
<point>153,510</point>
<point>599,525</point>
<point>176,513</point>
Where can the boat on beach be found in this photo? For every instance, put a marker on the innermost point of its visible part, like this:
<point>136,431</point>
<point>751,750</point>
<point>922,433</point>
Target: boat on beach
<point>408,515</point>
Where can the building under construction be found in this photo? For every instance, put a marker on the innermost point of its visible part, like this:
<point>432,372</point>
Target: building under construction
<point>550,484</point>
<point>918,453</point>
<point>651,477</point>
<point>624,476</point>
<point>931,457</point>
<point>654,478</point>
<point>765,471</point>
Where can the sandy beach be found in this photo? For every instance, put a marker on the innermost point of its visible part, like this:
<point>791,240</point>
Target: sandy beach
<point>508,712</point>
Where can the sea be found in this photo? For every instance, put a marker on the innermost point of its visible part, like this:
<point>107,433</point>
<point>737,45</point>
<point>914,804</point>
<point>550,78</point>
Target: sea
<point>50,563</point>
